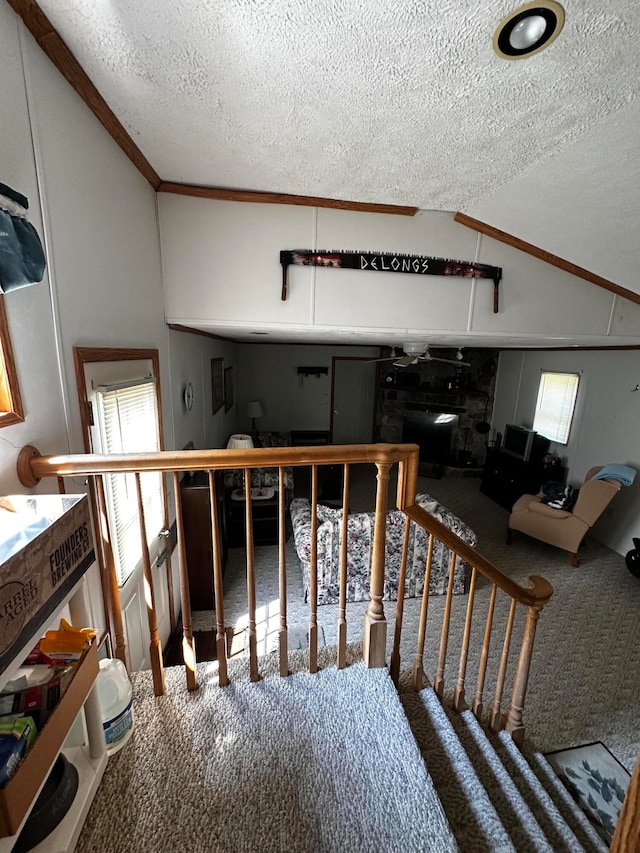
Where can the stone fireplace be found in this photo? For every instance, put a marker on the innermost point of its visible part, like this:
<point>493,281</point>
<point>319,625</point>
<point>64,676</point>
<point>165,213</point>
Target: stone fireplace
<point>439,407</point>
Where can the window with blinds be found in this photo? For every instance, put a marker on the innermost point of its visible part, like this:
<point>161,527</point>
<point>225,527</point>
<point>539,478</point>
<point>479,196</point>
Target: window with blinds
<point>555,405</point>
<point>128,423</point>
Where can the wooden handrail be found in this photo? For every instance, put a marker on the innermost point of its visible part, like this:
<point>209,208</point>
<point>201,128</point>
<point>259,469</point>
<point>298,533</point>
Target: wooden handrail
<point>32,466</point>
<point>540,590</point>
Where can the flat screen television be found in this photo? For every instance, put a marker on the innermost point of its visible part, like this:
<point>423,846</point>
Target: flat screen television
<point>518,441</point>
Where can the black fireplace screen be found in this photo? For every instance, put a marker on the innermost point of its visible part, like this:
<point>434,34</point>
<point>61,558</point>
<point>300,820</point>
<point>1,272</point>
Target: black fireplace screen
<point>433,432</point>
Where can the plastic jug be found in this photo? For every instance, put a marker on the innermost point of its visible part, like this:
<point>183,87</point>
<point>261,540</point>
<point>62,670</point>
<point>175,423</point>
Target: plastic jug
<point>115,695</point>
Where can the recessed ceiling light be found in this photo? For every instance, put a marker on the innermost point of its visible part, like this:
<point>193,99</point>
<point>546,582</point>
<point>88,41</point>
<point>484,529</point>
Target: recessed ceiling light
<point>528,29</point>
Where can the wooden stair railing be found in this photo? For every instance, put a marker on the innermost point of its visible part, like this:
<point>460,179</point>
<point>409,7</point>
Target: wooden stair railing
<point>32,467</point>
<point>533,599</point>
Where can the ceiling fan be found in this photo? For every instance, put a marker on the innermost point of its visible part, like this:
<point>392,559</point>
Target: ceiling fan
<point>417,352</point>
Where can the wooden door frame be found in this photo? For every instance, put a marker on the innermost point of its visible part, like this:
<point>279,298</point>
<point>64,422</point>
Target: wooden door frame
<point>89,355</point>
<point>334,359</point>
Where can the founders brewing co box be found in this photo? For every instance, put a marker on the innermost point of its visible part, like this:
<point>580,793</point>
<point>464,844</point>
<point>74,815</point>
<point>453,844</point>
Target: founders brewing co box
<point>52,539</point>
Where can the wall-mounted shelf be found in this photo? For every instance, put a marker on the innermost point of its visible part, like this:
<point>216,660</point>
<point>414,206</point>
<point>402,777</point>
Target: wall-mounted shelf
<point>435,392</point>
<point>313,371</point>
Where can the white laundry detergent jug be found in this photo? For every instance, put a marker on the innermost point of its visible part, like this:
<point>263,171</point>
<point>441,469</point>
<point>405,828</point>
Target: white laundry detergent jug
<point>115,694</point>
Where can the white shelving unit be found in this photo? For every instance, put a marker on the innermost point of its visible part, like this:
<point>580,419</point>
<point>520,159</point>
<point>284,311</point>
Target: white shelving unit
<point>90,759</point>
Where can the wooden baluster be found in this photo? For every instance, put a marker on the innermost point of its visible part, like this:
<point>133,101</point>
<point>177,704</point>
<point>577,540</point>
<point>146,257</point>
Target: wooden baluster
<point>458,698</point>
<point>394,669</point>
<point>62,486</point>
<point>188,643</point>
<point>282,576</point>
<point>155,647</point>
<point>418,676</point>
<point>254,675</point>
<point>120,650</point>
<point>484,656</point>
<point>342,604</point>
<point>375,623</point>
<point>438,684</point>
<point>514,723</point>
<point>218,584</point>
<point>313,579</point>
<point>495,720</point>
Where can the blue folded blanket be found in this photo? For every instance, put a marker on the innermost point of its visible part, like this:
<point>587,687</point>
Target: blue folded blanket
<point>624,473</point>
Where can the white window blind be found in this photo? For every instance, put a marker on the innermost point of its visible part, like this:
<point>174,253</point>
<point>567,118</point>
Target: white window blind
<point>128,423</point>
<point>555,406</point>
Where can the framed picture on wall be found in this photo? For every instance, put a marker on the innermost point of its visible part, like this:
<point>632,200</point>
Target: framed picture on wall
<point>217,384</point>
<point>228,388</point>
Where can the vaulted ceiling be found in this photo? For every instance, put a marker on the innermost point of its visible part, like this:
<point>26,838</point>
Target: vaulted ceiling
<point>401,103</point>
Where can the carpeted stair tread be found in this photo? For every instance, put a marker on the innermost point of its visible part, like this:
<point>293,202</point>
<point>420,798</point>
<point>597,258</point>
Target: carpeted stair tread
<point>322,762</point>
<point>514,812</point>
<point>557,830</point>
<point>566,805</point>
<point>474,820</point>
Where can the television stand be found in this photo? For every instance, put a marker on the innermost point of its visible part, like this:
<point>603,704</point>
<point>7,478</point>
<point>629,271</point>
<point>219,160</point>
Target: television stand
<point>507,478</point>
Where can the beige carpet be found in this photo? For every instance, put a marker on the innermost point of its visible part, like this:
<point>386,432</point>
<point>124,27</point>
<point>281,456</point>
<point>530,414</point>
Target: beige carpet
<point>584,683</point>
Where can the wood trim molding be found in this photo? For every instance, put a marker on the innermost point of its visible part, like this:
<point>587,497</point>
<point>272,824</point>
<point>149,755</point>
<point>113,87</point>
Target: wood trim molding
<point>47,37</point>
<point>547,257</point>
<point>177,327</point>
<point>86,355</point>
<point>54,47</point>
<point>12,410</point>
<point>282,198</point>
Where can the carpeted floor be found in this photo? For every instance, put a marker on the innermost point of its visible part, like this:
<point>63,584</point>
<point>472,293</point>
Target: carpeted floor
<point>322,762</point>
<point>584,683</point>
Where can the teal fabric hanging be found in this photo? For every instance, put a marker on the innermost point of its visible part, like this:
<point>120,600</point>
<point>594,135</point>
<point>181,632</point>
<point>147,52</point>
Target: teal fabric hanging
<point>22,260</point>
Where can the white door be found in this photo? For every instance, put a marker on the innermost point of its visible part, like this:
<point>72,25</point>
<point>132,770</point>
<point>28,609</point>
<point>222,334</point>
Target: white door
<point>353,397</point>
<point>103,380</point>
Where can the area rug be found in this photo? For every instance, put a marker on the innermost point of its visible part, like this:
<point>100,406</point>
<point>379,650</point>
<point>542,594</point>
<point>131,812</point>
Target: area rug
<point>205,642</point>
<point>596,780</point>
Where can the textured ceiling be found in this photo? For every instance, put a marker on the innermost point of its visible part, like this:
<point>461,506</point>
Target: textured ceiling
<point>401,102</point>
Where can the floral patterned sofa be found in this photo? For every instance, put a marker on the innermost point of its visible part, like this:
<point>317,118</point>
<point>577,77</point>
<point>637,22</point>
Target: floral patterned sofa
<point>359,551</point>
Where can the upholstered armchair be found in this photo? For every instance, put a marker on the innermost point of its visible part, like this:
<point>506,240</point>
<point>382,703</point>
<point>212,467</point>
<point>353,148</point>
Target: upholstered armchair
<point>562,528</point>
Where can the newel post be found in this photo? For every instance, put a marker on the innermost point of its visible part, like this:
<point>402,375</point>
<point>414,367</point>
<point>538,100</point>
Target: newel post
<point>513,718</point>
<point>375,623</point>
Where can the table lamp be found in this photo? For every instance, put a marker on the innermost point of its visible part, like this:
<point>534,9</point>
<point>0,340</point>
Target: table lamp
<point>240,441</point>
<point>254,411</point>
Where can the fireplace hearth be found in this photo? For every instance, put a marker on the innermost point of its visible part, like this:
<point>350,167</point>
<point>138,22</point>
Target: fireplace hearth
<point>442,420</point>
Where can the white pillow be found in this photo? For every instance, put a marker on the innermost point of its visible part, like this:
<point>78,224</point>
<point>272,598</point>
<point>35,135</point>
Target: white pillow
<point>430,506</point>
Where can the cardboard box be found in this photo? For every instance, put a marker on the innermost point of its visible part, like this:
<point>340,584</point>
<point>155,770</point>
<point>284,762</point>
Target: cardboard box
<point>17,797</point>
<point>56,549</point>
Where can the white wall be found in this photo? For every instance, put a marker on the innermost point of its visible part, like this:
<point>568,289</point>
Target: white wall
<point>606,426</point>
<point>190,358</point>
<point>29,309</point>
<point>221,262</point>
<point>97,218</point>
<point>269,373</point>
